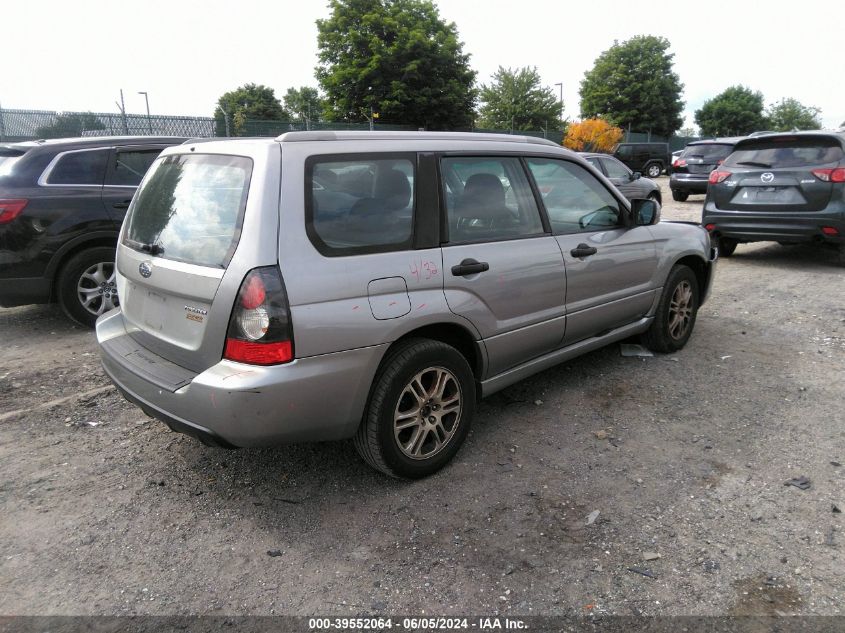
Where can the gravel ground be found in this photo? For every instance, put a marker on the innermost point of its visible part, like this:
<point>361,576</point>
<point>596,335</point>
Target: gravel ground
<point>680,462</point>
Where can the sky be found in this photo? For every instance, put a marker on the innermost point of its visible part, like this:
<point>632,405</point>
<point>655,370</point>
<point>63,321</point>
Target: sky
<point>78,54</point>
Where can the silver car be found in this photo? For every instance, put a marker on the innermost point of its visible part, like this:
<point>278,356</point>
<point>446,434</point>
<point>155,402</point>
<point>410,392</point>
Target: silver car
<point>374,286</point>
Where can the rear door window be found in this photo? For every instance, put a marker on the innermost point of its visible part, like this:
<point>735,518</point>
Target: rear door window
<point>130,166</point>
<point>708,152</point>
<point>360,203</point>
<point>191,208</point>
<point>87,167</point>
<point>787,153</point>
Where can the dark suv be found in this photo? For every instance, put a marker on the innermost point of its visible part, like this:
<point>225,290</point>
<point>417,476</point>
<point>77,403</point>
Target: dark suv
<point>786,188</point>
<point>61,206</point>
<point>692,168</point>
<point>651,159</point>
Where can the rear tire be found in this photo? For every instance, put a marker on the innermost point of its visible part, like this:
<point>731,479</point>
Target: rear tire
<point>420,409</point>
<point>679,196</point>
<point>676,312</point>
<point>86,285</point>
<point>654,170</point>
<point>727,246</point>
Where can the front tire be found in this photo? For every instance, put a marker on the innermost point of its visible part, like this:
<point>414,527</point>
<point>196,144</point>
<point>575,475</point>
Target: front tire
<point>86,285</point>
<point>654,170</point>
<point>676,312</point>
<point>420,409</point>
<point>679,196</point>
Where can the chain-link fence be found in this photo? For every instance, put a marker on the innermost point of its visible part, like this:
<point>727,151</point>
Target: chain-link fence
<point>18,125</point>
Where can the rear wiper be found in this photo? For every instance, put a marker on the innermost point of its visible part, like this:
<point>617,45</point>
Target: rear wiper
<point>752,163</point>
<point>152,249</point>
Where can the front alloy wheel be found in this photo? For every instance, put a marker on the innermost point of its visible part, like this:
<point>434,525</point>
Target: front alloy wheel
<point>681,311</point>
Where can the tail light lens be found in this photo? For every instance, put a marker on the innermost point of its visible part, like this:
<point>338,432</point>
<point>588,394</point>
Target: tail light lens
<point>260,331</point>
<point>717,176</point>
<point>830,175</point>
<point>830,231</point>
<point>10,209</point>
<point>709,227</point>
<point>680,162</point>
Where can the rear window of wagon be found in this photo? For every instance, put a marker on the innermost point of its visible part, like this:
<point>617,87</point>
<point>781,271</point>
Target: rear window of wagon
<point>190,208</point>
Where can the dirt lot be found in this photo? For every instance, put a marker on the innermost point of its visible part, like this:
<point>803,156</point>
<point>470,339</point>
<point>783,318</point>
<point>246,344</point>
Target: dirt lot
<point>684,456</point>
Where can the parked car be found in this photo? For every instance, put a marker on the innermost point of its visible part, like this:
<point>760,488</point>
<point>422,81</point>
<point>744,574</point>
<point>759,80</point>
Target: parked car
<point>61,206</point>
<point>787,188</point>
<point>692,169</point>
<point>630,183</point>
<point>651,159</point>
<point>374,285</point>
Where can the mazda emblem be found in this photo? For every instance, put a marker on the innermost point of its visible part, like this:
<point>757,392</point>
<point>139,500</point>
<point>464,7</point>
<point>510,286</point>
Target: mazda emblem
<point>145,269</point>
<point>767,177</point>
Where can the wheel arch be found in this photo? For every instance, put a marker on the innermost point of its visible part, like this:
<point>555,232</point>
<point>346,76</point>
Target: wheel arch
<point>452,334</point>
<point>74,247</point>
<point>701,269</point>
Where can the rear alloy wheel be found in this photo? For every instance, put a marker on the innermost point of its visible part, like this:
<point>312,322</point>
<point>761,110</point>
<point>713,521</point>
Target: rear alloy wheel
<point>420,410</point>
<point>87,286</point>
<point>727,246</point>
<point>676,312</point>
<point>654,170</point>
<point>679,196</point>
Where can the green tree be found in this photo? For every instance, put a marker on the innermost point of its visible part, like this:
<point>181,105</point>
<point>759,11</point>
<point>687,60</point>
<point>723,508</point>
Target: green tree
<point>70,125</point>
<point>304,104</point>
<point>515,100</point>
<point>633,84</point>
<point>249,102</point>
<point>397,58</point>
<point>736,111</point>
<point>788,114</point>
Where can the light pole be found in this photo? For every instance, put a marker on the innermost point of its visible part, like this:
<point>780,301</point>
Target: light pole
<point>149,120</point>
<point>560,85</point>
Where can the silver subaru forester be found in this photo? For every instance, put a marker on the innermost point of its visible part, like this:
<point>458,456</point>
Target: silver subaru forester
<point>374,285</point>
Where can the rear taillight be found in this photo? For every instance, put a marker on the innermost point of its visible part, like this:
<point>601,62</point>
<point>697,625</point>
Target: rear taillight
<point>709,227</point>
<point>717,176</point>
<point>679,162</point>
<point>260,331</point>
<point>830,175</point>
<point>10,209</point>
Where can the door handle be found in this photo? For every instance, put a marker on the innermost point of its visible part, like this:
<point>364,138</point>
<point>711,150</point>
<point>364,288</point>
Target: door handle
<point>469,267</point>
<point>121,205</point>
<point>583,250</point>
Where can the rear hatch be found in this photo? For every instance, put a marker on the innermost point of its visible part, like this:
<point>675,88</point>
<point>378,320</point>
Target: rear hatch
<point>782,173</point>
<point>701,159</point>
<point>177,243</point>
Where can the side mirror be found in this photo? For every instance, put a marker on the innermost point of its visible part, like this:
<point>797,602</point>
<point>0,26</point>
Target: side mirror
<point>645,211</point>
<point>636,176</point>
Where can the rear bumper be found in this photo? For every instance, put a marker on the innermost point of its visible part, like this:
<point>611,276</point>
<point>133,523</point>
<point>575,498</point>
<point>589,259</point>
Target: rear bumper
<point>781,226</point>
<point>691,183</point>
<point>21,292</point>
<point>236,405</point>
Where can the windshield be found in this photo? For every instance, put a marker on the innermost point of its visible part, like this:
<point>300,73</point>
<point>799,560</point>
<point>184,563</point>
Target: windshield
<point>190,208</point>
<point>787,153</point>
<point>707,151</point>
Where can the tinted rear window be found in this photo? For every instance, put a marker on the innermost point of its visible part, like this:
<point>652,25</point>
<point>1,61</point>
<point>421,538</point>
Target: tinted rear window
<point>716,151</point>
<point>87,167</point>
<point>191,208</point>
<point>787,153</point>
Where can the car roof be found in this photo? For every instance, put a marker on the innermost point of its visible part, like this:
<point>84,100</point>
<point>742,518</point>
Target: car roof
<point>727,140</point>
<point>95,141</point>
<point>796,135</point>
<point>293,137</point>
